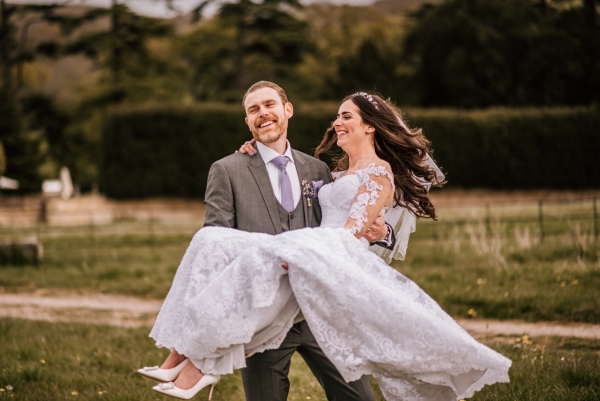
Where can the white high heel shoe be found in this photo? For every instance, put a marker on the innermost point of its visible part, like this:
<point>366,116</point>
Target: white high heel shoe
<point>172,390</point>
<point>163,375</point>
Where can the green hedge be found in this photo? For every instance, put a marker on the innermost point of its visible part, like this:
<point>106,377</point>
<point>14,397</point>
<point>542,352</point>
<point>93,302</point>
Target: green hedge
<point>516,149</point>
<point>167,150</point>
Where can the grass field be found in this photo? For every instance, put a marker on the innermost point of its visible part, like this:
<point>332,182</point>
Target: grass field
<point>550,281</point>
<point>477,261</point>
<point>59,361</point>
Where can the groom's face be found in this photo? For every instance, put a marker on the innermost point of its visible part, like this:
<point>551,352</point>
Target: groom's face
<point>266,115</point>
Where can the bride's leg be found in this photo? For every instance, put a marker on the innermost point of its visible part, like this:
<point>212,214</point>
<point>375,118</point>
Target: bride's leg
<point>189,376</point>
<point>174,359</point>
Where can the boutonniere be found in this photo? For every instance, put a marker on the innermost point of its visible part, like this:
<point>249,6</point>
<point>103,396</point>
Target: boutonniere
<point>310,190</point>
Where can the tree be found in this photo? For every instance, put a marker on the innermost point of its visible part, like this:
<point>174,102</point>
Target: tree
<point>477,53</point>
<point>373,67</point>
<point>71,137</point>
<point>23,155</point>
<point>356,49</point>
<point>13,51</point>
<point>123,45</point>
<point>130,72</point>
<point>22,148</point>
<point>248,42</point>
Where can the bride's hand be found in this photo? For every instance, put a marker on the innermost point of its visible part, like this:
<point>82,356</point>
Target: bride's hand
<point>378,230</point>
<point>248,148</point>
<point>285,266</point>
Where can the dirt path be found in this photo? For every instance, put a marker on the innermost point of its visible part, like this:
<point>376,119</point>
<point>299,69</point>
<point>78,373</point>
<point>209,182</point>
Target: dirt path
<point>62,306</point>
<point>124,311</point>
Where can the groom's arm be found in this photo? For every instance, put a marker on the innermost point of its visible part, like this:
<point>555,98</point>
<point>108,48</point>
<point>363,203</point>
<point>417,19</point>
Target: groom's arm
<point>388,241</point>
<point>381,233</point>
<point>219,200</point>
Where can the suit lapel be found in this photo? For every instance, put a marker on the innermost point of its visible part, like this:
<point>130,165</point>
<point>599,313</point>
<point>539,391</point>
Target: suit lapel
<point>304,174</point>
<point>259,171</point>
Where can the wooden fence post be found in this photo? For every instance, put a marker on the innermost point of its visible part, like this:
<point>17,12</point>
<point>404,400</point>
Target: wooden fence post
<point>93,246</point>
<point>151,223</point>
<point>488,219</point>
<point>595,221</point>
<point>541,219</point>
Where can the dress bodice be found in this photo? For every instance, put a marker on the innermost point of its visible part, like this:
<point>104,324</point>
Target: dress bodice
<point>336,199</point>
<point>341,199</point>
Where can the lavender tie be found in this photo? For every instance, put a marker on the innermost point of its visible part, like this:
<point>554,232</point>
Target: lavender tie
<point>287,200</point>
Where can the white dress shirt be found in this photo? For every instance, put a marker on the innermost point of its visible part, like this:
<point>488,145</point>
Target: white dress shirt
<point>269,154</point>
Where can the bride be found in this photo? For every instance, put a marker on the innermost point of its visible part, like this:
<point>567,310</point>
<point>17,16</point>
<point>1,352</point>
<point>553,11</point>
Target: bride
<point>231,298</point>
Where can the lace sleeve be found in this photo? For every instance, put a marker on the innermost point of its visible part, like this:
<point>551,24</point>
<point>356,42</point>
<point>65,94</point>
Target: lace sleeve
<point>377,185</point>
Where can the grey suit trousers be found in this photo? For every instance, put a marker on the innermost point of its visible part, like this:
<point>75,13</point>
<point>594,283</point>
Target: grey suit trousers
<point>266,375</point>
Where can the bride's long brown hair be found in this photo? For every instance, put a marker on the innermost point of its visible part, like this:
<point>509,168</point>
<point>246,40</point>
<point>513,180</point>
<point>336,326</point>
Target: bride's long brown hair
<point>403,148</point>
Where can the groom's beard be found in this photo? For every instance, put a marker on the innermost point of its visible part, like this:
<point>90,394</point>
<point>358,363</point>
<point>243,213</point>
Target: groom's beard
<point>276,131</point>
<point>269,137</point>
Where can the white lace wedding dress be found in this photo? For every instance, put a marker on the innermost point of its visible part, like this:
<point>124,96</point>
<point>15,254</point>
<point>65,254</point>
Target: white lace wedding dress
<point>231,297</point>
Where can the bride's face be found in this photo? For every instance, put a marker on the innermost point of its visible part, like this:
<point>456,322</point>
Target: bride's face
<point>350,128</point>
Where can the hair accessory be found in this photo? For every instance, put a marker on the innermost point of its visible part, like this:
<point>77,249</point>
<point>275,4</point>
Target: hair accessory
<point>369,98</point>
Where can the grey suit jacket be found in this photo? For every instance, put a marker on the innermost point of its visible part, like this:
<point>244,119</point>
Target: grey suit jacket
<point>239,193</point>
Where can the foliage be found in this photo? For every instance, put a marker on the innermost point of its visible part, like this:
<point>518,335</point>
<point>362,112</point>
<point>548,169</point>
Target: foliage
<point>13,51</point>
<point>133,57</point>
<point>22,148</point>
<point>246,42</point>
<point>457,53</point>
<point>510,149</point>
<point>357,48</point>
<point>66,140</point>
<point>165,151</point>
<point>478,53</point>
<point>371,67</point>
<point>154,151</point>
<point>123,45</point>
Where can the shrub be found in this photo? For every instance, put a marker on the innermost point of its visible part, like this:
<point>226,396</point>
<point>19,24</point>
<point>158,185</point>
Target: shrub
<point>22,149</point>
<point>515,149</point>
<point>167,150</point>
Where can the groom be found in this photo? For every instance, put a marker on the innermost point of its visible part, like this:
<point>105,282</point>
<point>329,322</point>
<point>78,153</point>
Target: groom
<point>265,194</point>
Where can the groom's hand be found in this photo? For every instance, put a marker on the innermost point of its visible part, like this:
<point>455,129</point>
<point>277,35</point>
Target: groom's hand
<point>378,230</point>
<point>248,148</point>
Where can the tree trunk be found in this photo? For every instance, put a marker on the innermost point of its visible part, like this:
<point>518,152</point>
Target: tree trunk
<point>593,53</point>
<point>239,59</point>
<point>544,6</point>
<point>5,58</point>
<point>115,54</point>
<point>590,12</point>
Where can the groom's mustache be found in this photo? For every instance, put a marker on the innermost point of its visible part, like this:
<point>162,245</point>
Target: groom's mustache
<point>263,120</point>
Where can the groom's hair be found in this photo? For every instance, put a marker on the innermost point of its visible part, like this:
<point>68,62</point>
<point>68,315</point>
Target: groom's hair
<point>265,84</point>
